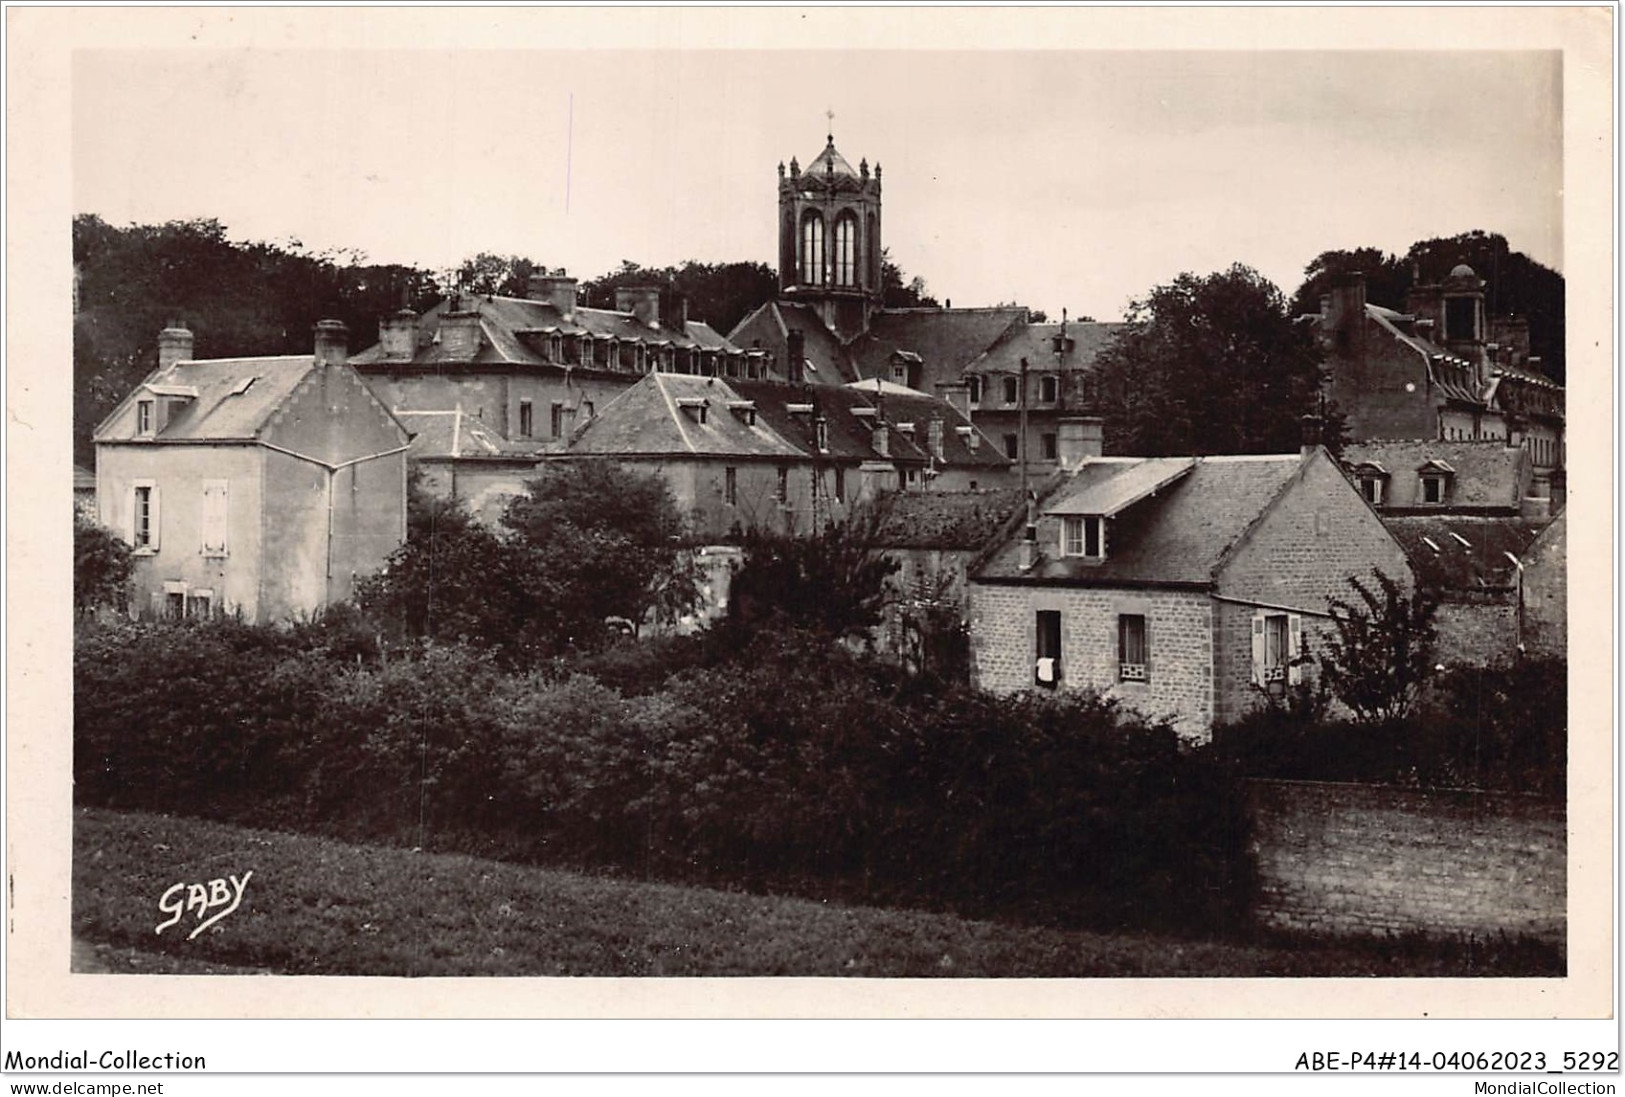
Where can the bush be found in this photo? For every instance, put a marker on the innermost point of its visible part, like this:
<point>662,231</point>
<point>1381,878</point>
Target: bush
<point>798,766</point>
<point>1501,728</point>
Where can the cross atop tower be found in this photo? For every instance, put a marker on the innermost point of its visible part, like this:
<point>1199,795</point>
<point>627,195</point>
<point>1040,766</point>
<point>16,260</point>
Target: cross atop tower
<point>830,114</point>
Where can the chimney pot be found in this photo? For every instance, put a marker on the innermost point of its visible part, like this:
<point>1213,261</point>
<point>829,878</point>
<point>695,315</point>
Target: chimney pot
<point>557,290</point>
<point>642,302</point>
<point>174,345</point>
<point>332,343</point>
<point>795,367</point>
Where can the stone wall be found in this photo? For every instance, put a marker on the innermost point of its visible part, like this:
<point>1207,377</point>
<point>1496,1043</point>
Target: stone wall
<point>1179,643</point>
<point>1478,629</point>
<point>1365,859</point>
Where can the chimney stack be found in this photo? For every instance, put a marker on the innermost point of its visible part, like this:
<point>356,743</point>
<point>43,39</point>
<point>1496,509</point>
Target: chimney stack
<point>1078,439</point>
<point>1346,302</point>
<point>174,345</point>
<point>556,290</point>
<point>1311,434</point>
<point>642,302</point>
<point>795,366</point>
<point>399,335</point>
<point>1029,548</point>
<point>332,343</point>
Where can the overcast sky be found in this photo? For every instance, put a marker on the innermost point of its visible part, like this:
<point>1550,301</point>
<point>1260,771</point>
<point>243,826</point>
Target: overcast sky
<point>1049,178</point>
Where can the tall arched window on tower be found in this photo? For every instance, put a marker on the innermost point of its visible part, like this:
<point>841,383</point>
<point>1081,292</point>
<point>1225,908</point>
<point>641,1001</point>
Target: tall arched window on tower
<point>812,249</point>
<point>846,249</point>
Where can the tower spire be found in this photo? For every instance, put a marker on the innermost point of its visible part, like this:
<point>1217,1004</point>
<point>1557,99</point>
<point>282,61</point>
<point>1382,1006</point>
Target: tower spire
<point>830,135</point>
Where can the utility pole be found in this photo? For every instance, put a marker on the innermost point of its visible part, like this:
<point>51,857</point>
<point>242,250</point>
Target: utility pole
<point>1030,534</point>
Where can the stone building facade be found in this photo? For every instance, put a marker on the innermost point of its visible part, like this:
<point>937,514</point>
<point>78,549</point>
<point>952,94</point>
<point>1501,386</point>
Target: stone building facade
<point>1189,588</point>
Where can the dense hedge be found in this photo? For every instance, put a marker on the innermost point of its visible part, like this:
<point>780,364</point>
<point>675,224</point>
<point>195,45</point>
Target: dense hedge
<point>1501,727</point>
<point>793,766</point>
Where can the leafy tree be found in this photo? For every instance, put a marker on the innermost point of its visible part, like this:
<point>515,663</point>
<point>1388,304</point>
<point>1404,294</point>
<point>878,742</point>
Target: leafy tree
<point>101,567</point>
<point>898,290</point>
<point>1387,278</point>
<point>504,275</point>
<point>832,583</point>
<point>720,294</point>
<point>1208,365</point>
<point>1382,650</point>
<point>594,540</point>
<point>452,581</point>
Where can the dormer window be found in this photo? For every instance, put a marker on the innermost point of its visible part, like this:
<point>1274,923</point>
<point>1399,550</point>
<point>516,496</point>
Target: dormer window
<point>1433,483</point>
<point>1373,481</point>
<point>555,348</point>
<point>974,385</point>
<point>745,409</point>
<point>144,418</point>
<point>1083,535</point>
<point>972,437</point>
<point>1371,488</point>
<point>699,406</point>
<point>822,431</point>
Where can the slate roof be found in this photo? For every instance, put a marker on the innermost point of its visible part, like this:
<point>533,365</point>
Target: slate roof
<point>1035,342</point>
<point>83,479</point>
<point>850,436</point>
<point>456,434</point>
<point>235,397</point>
<point>1487,473</point>
<point>647,420</point>
<point>829,158</point>
<point>1435,544</point>
<point>516,330</point>
<point>827,359</point>
<point>902,405</point>
<point>947,340</point>
<point>1452,375</point>
<point>1180,535</point>
<point>958,520</point>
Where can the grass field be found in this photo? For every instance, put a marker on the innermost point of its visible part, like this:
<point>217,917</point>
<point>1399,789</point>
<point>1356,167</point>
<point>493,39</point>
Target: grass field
<point>315,906</point>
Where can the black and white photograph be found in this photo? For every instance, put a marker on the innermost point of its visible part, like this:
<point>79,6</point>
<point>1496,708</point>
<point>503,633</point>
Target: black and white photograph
<point>917,518</point>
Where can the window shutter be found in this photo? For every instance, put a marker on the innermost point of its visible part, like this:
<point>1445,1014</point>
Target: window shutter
<point>1294,647</point>
<point>214,517</point>
<point>1258,649</point>
<point>157,521</point>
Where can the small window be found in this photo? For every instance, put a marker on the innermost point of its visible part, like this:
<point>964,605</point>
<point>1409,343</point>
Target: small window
<point>556,420</point>
<point>527,419</point>
<point>1012,448</point>
<point>1371,488</point>
<point>1083,536</point>
<point>586,410</point>
<point>1132,661</point>
<point>1277,640</point>
<point>1049,388</point>
<point>1433,489</point>
<point>730,486</point>
<point>1047,660</point>
<point>1047,446</point>
<point>144,518</point>
<point>1011,391</point>
<point>822,430</point>
<point>783,491</point>
<point>200,604</point>
<point>143,417</point>
<point>840,485</point>
<point>974,384</point>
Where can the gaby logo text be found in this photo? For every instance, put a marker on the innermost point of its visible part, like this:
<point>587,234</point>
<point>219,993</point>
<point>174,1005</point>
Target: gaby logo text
<point>221,896</point>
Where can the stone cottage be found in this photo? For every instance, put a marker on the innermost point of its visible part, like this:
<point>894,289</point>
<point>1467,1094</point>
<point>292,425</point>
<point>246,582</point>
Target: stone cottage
<point>261,485</point>
<point>1187,587</point>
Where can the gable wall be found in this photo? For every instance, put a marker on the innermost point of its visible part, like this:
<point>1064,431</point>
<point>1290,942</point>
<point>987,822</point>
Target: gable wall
<point>178,472</point>
<point>1179,640</point>
<point>332,416</point>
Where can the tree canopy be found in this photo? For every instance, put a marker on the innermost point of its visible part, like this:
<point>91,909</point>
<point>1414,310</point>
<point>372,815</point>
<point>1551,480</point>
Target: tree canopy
<point>721,294</point>
<point>1514,284</point>
<point>1211,364</point>
<point>588,542</point>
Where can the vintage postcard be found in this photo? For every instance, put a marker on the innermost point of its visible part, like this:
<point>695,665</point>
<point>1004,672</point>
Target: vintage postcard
<point>830,513</point>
